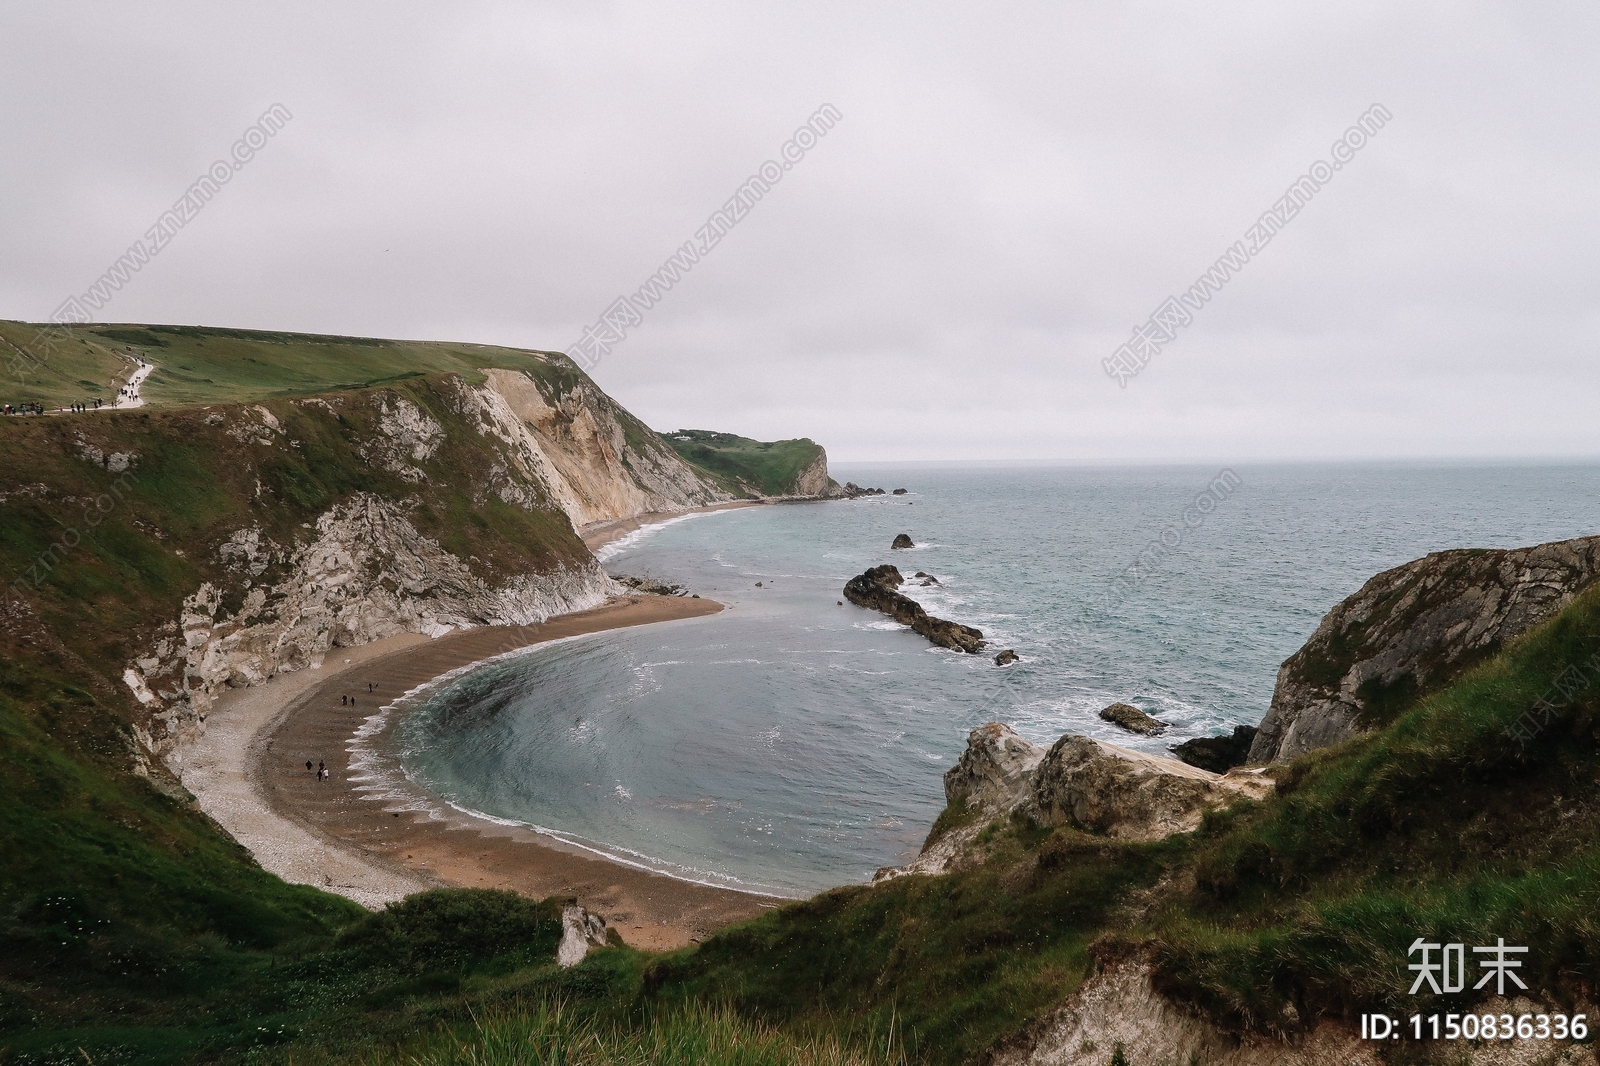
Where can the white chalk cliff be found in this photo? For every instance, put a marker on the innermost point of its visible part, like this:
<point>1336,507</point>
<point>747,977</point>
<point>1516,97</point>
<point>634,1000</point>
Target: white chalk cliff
<point>363,571</point>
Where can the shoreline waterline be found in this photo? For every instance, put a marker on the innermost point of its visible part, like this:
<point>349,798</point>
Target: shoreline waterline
<point>440,843</point>
<point>377,768</point>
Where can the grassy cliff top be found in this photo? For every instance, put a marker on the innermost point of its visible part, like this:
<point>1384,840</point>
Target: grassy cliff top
<point>200,365</point>
<point>743,465</point>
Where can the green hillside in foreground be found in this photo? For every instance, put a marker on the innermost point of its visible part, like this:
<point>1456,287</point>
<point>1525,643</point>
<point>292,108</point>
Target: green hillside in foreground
<point>199,365</point>
<point>1270,916</point>
<point>741,465</point>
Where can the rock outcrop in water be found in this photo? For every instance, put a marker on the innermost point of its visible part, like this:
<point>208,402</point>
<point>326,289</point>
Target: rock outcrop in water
<point>1411,630</point>
<point>903,540</point>
<point>1218,754</point>
<point>876,589</point>
<point>1132,719</point>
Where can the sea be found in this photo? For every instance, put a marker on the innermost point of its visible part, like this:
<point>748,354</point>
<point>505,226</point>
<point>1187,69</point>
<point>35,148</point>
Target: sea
<point>795,742</point>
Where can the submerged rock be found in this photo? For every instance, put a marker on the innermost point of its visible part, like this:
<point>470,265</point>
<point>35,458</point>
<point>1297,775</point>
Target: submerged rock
<point>1133,720</point>
<point>876,589</point>
<point>580,931</point>
<point>1006,657</point>
<point>1218,754</point>
<point>899,492</point>
<point>903,541</point>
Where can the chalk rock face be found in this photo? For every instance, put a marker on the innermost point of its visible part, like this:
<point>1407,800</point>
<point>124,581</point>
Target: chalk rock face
<point>580,931</point>
<point>1132,719</point>
<point>994,770</point>
<point>1103,788</point>
<point>1117,1007</point>
<point>595,459</point>
<point>876,589</point>
<point>1411,630</point>
<point>814,479</point>
<point>408,435</point>
<point>366,574</point>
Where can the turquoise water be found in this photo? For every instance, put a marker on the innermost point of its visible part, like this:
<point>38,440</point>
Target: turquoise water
<point>790,744</point>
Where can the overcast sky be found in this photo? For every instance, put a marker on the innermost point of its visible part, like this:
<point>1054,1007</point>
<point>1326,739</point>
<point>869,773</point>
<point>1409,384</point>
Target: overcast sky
<point>1011,189</point>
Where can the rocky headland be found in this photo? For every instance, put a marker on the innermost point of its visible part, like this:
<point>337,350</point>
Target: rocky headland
<point>1079,782</point>
<point>1408,631</point>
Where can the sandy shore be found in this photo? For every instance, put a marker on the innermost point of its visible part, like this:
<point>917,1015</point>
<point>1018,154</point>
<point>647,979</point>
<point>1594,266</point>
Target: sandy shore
<point>598,534</point>
<point>216,768</point>
<point>249,773</point>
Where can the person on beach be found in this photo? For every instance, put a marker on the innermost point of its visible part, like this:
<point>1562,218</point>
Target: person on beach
<point>308,766</point>
<point>344,701</point>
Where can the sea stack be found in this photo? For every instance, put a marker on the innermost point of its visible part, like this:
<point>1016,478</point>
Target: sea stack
<point>903,541</point>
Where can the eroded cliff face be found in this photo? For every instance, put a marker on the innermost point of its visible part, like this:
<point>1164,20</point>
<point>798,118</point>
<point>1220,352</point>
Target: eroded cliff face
<point>592,457</point>
<point>814,479</point>
<point>413,544</point>
<point>1410,630</point>
<point>366,574</point>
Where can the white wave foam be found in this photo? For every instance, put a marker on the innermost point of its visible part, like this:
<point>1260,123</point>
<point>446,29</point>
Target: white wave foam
<point>616,547</point>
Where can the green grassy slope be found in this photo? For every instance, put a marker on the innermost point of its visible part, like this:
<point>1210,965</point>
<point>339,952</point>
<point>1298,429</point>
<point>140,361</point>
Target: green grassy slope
<point>199,365</point>
<point>1440,825</point>
<point>742,465</point>
<point>127,919</point>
